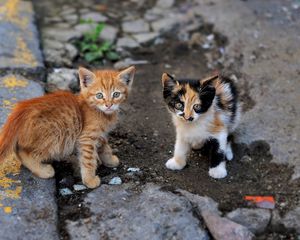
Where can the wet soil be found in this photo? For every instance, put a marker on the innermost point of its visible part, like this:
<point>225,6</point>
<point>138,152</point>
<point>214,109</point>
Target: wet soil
<point>145,136</point>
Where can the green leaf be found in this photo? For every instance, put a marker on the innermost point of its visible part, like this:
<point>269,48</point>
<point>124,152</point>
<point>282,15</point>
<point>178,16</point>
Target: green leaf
<point>112,56</point>
<point>105,46</point>
<point>94,47</point>
<point>90,56</point>
<point>99,28</point>
<point>84,46</point>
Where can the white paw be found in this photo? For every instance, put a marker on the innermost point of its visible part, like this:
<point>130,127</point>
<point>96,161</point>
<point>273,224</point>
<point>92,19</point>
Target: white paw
<point>219,171</point>
<point>174,165</point>
<point>229,153</point>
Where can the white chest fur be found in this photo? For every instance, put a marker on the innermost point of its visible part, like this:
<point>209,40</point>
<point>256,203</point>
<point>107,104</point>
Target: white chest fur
<point>192,132</point>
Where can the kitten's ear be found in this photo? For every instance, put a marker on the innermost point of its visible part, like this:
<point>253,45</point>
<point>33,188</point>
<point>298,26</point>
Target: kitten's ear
<point>209,79</point>
<point>167,80</point>
<point>126,76</point>
<point>86,77</point>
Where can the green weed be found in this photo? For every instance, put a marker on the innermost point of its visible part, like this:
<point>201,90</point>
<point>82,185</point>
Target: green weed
<point>92,48</point>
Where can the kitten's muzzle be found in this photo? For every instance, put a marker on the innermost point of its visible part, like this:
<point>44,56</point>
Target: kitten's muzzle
<point>189,119</point>
<point>108,105</point>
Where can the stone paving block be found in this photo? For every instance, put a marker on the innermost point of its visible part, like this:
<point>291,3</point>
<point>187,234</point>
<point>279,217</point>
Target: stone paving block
<point>27,204</point>
<point>19,48</point>
<point>130,212</point>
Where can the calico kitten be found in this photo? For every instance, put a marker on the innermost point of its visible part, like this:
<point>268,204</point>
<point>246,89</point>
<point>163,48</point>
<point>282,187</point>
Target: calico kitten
<point>52,126</point>
<point>204,112</point>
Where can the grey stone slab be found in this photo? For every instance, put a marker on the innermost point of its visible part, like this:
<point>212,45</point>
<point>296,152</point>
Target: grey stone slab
<point>127,42</point>
<point>291,220</point>
<point>256,220</point>
<point>61,34</point>
<point>165,3</point>
<point>136,26</point>
<point>19,43</point>
<point>83,28</point>
<point>27,204</point>
<point>14,88</point>
<point>203,203</point>
<point>94,16</point>
<point>109,33</point>
<point>130,212</point>
<point>223,228</point>
<point>62,79</point>
<point>166,24</point>
<point>33,214</point>
<point>143,38</point>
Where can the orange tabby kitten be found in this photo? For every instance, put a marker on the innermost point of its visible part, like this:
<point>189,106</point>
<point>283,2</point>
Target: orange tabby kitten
<point>52,126</point>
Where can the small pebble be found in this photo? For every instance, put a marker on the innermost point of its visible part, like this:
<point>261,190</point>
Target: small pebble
<point>65,191</point>
<point>210,37</point>
<point>115,181</point>
<point>79,187</point>
<point>246,158</point>
<point>133,169</point>
<point>206,46</point>
<point>296,6</point>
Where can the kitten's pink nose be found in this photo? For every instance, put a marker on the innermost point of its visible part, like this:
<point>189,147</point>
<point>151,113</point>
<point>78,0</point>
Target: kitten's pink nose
<point>108,105</point>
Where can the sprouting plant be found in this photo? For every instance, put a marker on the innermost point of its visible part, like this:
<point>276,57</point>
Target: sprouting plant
<point>92,48</point>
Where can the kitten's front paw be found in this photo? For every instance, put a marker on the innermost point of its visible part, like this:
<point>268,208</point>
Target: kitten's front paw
<point>219,171</point>
<point>92,182</point>
<point>174,165</point>
<point>46,171</point>
<point>229,153</point>
<point>114,162</point>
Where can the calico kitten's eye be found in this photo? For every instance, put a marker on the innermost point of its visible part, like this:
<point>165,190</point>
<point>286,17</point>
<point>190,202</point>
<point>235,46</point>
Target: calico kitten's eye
<point>179,106</point>
<point>116,94</point>
<point>197,107</point>
<point>99,95</point>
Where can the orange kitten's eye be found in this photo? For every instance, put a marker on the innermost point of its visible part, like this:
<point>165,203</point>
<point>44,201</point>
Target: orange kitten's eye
<point>99,95</point>
<point>179,106</point>
<point>197,107</point>
<point>116,94</point>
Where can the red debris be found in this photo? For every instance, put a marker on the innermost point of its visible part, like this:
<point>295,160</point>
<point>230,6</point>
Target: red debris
<point>262,201</point>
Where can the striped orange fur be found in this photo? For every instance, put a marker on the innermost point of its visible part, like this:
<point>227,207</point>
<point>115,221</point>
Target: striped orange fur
<point>53,126</point>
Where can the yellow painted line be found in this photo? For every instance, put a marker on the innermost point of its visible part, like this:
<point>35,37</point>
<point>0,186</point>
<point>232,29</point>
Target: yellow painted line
<point>11,82</point>
<point>7,209</point>
<point>23,54</point>
<point>13,11</point>
<point>8,104</point>
<point>10,186</point>
<point>10,12</point>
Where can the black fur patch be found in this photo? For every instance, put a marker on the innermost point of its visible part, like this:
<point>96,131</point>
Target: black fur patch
<point>211,148</point>
<point>194,84</point>
<point>207,96</point>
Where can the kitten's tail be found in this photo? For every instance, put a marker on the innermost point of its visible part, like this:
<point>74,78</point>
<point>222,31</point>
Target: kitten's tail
<point>9,133</point>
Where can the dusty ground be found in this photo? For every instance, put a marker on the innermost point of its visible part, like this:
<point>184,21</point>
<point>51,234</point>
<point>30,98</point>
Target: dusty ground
<point>145,138</point>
